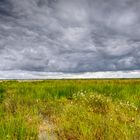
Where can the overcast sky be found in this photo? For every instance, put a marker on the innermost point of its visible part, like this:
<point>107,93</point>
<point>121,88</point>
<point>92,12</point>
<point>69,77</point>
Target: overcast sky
<point>69,36</point>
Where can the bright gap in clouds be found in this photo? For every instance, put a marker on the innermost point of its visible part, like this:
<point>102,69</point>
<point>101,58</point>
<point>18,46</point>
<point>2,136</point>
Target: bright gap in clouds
<point>55,75</point>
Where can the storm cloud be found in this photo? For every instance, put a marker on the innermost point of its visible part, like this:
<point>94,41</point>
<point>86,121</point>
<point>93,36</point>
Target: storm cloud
<point>69,36</point>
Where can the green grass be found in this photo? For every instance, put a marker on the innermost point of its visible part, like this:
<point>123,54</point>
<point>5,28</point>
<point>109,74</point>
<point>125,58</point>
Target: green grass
<point>70,110</point>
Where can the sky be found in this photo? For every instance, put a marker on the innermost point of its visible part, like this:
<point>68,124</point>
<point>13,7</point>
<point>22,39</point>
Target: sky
<point>69,38</point>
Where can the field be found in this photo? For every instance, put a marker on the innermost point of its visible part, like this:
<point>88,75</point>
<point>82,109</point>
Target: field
<point>70,110</point>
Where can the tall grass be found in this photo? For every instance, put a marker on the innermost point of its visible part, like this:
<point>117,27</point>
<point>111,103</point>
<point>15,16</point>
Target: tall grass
<point>76,109</point>
<point>2,90</point>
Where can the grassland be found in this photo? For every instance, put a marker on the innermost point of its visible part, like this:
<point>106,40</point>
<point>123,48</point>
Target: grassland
<point>70,110</point>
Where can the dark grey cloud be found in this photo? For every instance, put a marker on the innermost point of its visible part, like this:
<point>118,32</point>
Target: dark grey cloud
<point>70,35</point>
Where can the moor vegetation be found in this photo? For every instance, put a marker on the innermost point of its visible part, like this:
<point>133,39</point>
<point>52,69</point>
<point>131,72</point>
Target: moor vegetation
<point>70,110</point>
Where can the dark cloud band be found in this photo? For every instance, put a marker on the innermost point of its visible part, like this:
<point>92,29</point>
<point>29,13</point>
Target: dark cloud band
<point>69,36</point>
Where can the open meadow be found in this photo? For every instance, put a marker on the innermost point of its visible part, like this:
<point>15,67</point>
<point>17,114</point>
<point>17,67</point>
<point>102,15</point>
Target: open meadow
<point>70,110</point>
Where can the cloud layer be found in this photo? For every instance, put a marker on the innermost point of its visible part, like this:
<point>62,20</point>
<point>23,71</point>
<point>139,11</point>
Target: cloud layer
<point>69,36</point>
